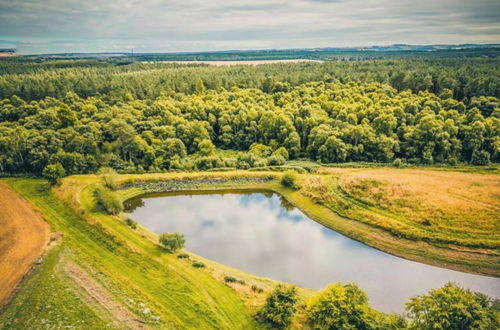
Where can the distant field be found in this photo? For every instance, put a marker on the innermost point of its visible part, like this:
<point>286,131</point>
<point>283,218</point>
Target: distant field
<point>23,235</point>
<point>230,63</point>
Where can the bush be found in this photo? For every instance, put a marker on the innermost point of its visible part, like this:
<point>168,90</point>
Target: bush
<point>279,307</point>
<point>256,289</point>
<point>289,179</point>
<point>131,223</point>
<point>197,264</point>
<point>275,160</point>
<point>229,279</point>
<point>172,241</point>
<point>339,307</point>
<point>108,201</point>
<point>109,177</point>
<point>183,256</point>
<point>53,173</point>
<point>453,307</point>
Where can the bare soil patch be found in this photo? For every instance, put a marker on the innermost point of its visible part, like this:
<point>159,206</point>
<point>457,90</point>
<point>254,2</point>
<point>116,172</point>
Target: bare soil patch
<point>23,236</point>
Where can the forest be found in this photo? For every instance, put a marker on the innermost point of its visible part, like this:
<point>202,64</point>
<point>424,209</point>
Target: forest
<point>79,115</point>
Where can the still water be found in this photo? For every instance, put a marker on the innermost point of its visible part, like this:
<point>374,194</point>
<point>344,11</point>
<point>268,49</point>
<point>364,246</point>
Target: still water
<point>262,234</point>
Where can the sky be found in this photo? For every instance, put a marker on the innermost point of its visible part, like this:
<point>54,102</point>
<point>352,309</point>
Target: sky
<point>55,26</point>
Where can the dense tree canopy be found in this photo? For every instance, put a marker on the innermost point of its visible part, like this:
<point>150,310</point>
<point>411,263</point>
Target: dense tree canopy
<point>155,117</point>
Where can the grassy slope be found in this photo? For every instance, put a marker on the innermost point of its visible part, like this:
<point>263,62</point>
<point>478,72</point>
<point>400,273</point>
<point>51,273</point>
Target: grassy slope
<point>134,269</point>
<point>181,295</point>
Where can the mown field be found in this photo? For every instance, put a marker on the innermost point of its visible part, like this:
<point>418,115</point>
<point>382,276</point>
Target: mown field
<point>101,273</point>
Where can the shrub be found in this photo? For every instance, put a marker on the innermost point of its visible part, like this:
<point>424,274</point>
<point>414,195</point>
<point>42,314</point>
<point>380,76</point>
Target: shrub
<point>242,282</point>
<point>339,307</point>
<point>289,179</point>
<point>453,307</point>
<point>183,256</point>
<point>108,201</point>
<point>109,177</point>
<point>282,152</point>
<point>197,264</point>
<point>398,162</point>
<point>229,279</point>
<point>279,307</point>
<point>53,173</point>
<point>275,160</point>
<point>131,223</point>
<point>256,289</point>
<point>246,160</point>
<point>172,241</point>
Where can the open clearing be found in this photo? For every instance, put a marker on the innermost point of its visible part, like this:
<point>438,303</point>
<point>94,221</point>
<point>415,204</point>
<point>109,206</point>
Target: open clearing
<point>23,236</point>
<point>231,63</point>
<point>464,202</point>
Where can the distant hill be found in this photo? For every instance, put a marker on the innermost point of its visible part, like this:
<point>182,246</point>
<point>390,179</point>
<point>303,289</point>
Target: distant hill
<point>327,53</point>
<point>6,52</point>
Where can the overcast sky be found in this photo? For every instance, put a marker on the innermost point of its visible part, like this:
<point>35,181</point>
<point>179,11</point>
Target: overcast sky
<point>49,26</point>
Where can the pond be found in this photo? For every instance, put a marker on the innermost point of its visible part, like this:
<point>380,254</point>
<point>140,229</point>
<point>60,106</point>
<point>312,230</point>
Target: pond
<point>262,234</point>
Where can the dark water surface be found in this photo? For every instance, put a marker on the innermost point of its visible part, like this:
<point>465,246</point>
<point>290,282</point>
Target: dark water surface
<point>261,234</point>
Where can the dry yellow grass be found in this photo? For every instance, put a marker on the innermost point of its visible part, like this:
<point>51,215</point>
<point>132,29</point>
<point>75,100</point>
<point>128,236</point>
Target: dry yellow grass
<point>23,236</point>
<point>450,200</point>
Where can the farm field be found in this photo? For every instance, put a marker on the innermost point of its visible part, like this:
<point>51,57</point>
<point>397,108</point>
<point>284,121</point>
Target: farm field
<point>23,237</point>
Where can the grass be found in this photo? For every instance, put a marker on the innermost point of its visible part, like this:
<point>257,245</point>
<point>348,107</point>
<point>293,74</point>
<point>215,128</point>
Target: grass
<point>133,270</point>
<point>369,205</point>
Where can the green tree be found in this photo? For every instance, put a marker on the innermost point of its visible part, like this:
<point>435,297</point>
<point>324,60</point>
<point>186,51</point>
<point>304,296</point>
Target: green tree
<point>279,307</point>
<point>53,173</point>
<point>172,241</point>
<point>340,307</point>
<point>453,307</point>
<point>200,86</point>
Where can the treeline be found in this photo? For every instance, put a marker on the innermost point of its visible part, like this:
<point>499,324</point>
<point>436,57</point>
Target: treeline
<point>346,307</point>
<point>114,79</point>
<point>242,128</point>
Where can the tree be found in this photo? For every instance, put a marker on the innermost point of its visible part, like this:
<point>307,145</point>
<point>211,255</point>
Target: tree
<point>453,307</point>
<point>200,86</point>
<point>172,241</point>
<point>339,307</point>
<point>206,147</point>
<point>53,173</point>
<point>279,307</point>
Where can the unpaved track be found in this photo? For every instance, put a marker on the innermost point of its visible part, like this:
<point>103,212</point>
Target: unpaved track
<point>23,236</point>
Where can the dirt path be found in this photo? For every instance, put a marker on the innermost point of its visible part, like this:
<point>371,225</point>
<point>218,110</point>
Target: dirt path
<point>102,297</point>
<point>23,236</point>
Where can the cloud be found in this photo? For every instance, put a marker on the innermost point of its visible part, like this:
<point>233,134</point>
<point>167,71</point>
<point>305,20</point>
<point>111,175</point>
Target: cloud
<point>191,25</point>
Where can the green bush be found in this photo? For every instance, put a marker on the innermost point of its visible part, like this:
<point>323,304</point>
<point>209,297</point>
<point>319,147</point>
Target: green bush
<point>131,223</point>
<point>279,307</point>
<point>53,173</point>
<point>339,307</point>
<point>197,264</point>
<point>256,289</point>
<point>183,256</point>
<point>230,279</point>
<point>289,179</point>
<point>453,307</point>
<point>107,201</point>
<point>172,241</point>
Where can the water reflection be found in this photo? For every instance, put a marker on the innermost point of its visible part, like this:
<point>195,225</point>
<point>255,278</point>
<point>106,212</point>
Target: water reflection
<point>265,235</point>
